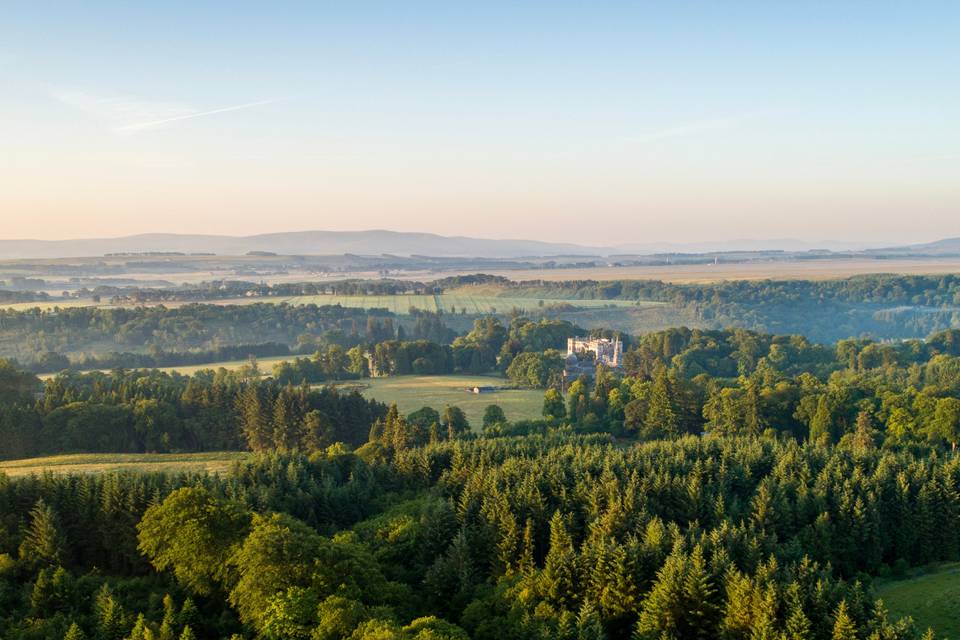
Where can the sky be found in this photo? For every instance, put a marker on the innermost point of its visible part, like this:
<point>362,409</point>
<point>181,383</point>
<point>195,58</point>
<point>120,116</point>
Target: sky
<point>592,122</point>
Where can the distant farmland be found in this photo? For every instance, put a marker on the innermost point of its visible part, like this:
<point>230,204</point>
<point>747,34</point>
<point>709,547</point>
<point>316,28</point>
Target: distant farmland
<point>453,302</point>
<point>400,304</point>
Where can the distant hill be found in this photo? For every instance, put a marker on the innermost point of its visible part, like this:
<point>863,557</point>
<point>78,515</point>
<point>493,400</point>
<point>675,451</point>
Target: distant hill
<point>945,247</point>
<point>373,242</point>
<point>398,243</point>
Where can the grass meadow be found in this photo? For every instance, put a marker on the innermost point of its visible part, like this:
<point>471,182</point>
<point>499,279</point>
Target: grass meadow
<point>211,462</point>
<point>413,392</point>
<point>931,599</point>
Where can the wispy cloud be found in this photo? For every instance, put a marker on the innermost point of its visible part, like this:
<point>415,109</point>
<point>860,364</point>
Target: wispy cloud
<point>123,114</point>
<point>685,129</point>
<point>151,124</point>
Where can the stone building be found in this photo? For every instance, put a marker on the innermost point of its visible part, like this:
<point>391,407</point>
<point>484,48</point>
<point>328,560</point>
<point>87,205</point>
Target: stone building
<point>584,354</point>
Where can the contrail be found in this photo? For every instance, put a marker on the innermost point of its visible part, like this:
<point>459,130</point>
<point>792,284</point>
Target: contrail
<point>139,126</point>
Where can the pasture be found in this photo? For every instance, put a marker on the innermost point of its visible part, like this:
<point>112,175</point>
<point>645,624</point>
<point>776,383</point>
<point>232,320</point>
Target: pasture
<point>413,392</point>
<point>210,462</point>
<point>931,599</point>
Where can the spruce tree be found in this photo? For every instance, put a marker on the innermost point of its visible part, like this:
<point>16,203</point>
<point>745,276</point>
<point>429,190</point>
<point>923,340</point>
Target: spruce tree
<point>662,418</point>
<point>559,577</point>
<point>141,630</point>
<point>109,614</point>
<point>844,628</point>
<point>42,541</point>
<point>798,625</point>
<point>75,633</point>
<point>699,596</point>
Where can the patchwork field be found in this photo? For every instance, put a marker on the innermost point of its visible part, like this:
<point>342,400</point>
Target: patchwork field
<point>932,600</point>
<point>211,462</point>
<point>413,392</point>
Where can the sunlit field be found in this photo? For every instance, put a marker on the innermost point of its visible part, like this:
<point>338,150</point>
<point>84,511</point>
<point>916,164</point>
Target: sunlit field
<point>413,392</point>
<point>264,364</point>
<point>211,462</point>
<point>932,600</point>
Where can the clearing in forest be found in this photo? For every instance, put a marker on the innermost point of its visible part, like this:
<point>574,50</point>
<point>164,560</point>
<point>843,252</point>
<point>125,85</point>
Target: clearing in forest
<point>413,392</point>
<point>931,599</point>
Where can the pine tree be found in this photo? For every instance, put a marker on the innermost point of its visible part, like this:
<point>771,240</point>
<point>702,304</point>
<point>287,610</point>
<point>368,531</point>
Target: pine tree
<point>53,591</point>
<point>559,577</point>
<point>75,633</point>
<point>738,612</point>
<point>750,410</point>
<point>141,630</point>
<point>188,634</point>
<point>699,596</point>
<point>189,615</point>
<point>662,418</point>
<point>798,625</point>
<point>254,421</point>
<point>167,626</point>
<point>284,428</point>
<point>42,541</point>
<point>844,627</point>
<point>589,624</point>
<point>661,613</point>
<point>109,614</point>
<point>527,563</point>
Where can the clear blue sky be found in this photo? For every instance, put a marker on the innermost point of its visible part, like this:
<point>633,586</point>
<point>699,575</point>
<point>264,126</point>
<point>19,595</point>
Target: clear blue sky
<point>591,122</point>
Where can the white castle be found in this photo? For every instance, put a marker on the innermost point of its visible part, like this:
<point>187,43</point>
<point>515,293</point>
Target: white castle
<point>606,351</point>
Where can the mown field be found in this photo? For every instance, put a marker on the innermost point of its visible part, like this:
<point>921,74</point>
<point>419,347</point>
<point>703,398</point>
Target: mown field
<point>211,462</point>
<point>413,392</point>
<point>932,599</point>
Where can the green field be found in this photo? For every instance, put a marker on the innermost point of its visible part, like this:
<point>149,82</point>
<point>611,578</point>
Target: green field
<point>932,599</point>
<point>412,392</point>
<point>211,462</point>
<point>265,365</point>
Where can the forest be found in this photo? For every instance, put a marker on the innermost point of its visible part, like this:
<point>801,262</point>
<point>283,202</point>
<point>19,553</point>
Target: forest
<point>725,483</point>
<point>555,536</point>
